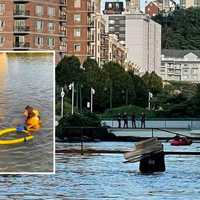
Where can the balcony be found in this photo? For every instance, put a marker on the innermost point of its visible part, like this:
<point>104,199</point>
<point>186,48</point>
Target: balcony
<point>63,2</point>
<point>63,34</point>
<point>91,38</point>
<point>63,17</point>
<point>91,24</point>
<point>90,9</point>
<point>21,30</point>
<point>21,1</point>
<point>21,46</point>
<point>21,14</point>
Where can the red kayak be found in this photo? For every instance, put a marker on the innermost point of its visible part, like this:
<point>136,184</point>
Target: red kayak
<point>180,141</point>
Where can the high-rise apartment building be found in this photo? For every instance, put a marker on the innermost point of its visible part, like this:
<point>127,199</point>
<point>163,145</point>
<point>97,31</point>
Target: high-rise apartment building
<point>143,42</point>
<point>81,28</point>
<point>33,25</point>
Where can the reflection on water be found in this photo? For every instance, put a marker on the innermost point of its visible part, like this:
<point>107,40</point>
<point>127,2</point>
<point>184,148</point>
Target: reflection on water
<point>27,79</point>
<point>91,177</point>
<point>3,74</point>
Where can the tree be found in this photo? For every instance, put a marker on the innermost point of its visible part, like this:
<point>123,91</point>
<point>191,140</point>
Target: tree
<point>68,70</point>
<point>180,29</point>
<point>153,82</point>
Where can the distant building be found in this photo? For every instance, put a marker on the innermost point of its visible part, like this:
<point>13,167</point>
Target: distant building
<point>113,7</point>
<point>143,42</point>
<point>189,3</point>
<point>154,7</point>
<point>113,49</point>
<point>180,65</point>
<point>116,24</point>
<point>132,6</point>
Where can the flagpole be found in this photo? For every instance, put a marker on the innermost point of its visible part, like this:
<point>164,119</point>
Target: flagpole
<point>62,96</point>
<point>91,100</point>
<point>72,98</point>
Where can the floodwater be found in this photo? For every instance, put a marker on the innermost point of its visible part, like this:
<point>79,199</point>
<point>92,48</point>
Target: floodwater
<point>27,79</point>
<point>91,177</point>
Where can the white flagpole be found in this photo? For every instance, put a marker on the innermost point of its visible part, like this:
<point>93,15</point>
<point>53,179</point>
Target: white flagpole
<point>92,92</point>
<point>62,97</point>
<point>72,98</point>
<point>71,87</point>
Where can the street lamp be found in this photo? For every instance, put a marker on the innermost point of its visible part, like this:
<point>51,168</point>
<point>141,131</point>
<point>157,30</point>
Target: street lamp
<point>149,100</point>
<point>71,87</point>
<point>92,92</point>
<point>62,97</point>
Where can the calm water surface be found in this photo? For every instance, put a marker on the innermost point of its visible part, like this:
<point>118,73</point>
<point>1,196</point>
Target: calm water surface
<point>27,79</point>
<point>107,177</point>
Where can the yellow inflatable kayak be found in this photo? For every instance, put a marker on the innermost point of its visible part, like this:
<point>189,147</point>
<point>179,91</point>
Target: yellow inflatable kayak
<point>14,141</point>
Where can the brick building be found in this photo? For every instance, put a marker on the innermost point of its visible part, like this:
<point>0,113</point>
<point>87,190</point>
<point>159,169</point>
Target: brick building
<point>152,9</point>
<point>81,28</point>
<point>33,25</point>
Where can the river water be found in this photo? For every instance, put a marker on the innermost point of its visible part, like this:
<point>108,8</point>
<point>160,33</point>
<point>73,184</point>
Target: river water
<point>27,79</point>
<point>91,177</point>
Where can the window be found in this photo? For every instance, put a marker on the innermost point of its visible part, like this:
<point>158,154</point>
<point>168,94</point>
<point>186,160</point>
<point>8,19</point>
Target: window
<point>51,26</point>
<point>51,11</point>
<point>122,28</point>
<point>39,10</point>
<point>19,41</point>
<point>111,21</point>
<point>20,25</point>
<point>50,41</point>
<point>39,26</point>
<point>2,8</point>
<point>77,47</point>
<point>77,32</point>
<point>20,8</point>
<point>77,3</point>
<point>2,24</point>
<point>77,18</point>
<point>39,41</point>
<point>2,40</point>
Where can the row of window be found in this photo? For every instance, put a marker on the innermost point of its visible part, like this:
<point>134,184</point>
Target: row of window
<point>39,10</point>
<point>38,40</point>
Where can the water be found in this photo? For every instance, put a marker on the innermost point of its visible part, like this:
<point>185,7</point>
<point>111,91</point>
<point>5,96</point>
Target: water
<point>91,177</point>
<point>27,79</point>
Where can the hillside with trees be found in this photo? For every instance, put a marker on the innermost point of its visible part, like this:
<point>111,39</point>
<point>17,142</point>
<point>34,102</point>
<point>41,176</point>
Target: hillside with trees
<point>180,29</point>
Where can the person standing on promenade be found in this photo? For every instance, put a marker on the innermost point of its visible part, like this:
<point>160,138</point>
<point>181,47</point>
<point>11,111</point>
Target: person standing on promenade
<point>143,120</point>
<point>125,118</point>
<point>133,120</point>
<point>119,120</point>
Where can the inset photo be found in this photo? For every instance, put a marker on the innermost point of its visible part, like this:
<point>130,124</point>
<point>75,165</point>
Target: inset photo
<point>27,112</point>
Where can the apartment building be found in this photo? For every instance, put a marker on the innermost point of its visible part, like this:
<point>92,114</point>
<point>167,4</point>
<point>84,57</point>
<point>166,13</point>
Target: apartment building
<point>113,49</point>
<point>189,3</point>
<point>33,25</point>
<point>143,42</point>
<point>116,24</point>
<point>81,28</point>
<point>180,65</point>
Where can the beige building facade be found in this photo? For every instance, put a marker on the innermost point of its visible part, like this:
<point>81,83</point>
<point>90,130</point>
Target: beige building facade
<point>143,42</point>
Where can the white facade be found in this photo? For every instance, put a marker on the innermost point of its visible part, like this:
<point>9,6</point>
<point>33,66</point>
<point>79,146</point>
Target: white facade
<point>181,66</point>
<point>143,42</point>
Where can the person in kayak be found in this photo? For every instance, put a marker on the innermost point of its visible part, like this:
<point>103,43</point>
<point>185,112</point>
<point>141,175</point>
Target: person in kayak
<point>29,109</point>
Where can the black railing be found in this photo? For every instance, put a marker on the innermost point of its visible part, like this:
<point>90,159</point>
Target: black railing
<point>21,13</point>
<point>22,44</point>
<point>22,29</point>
